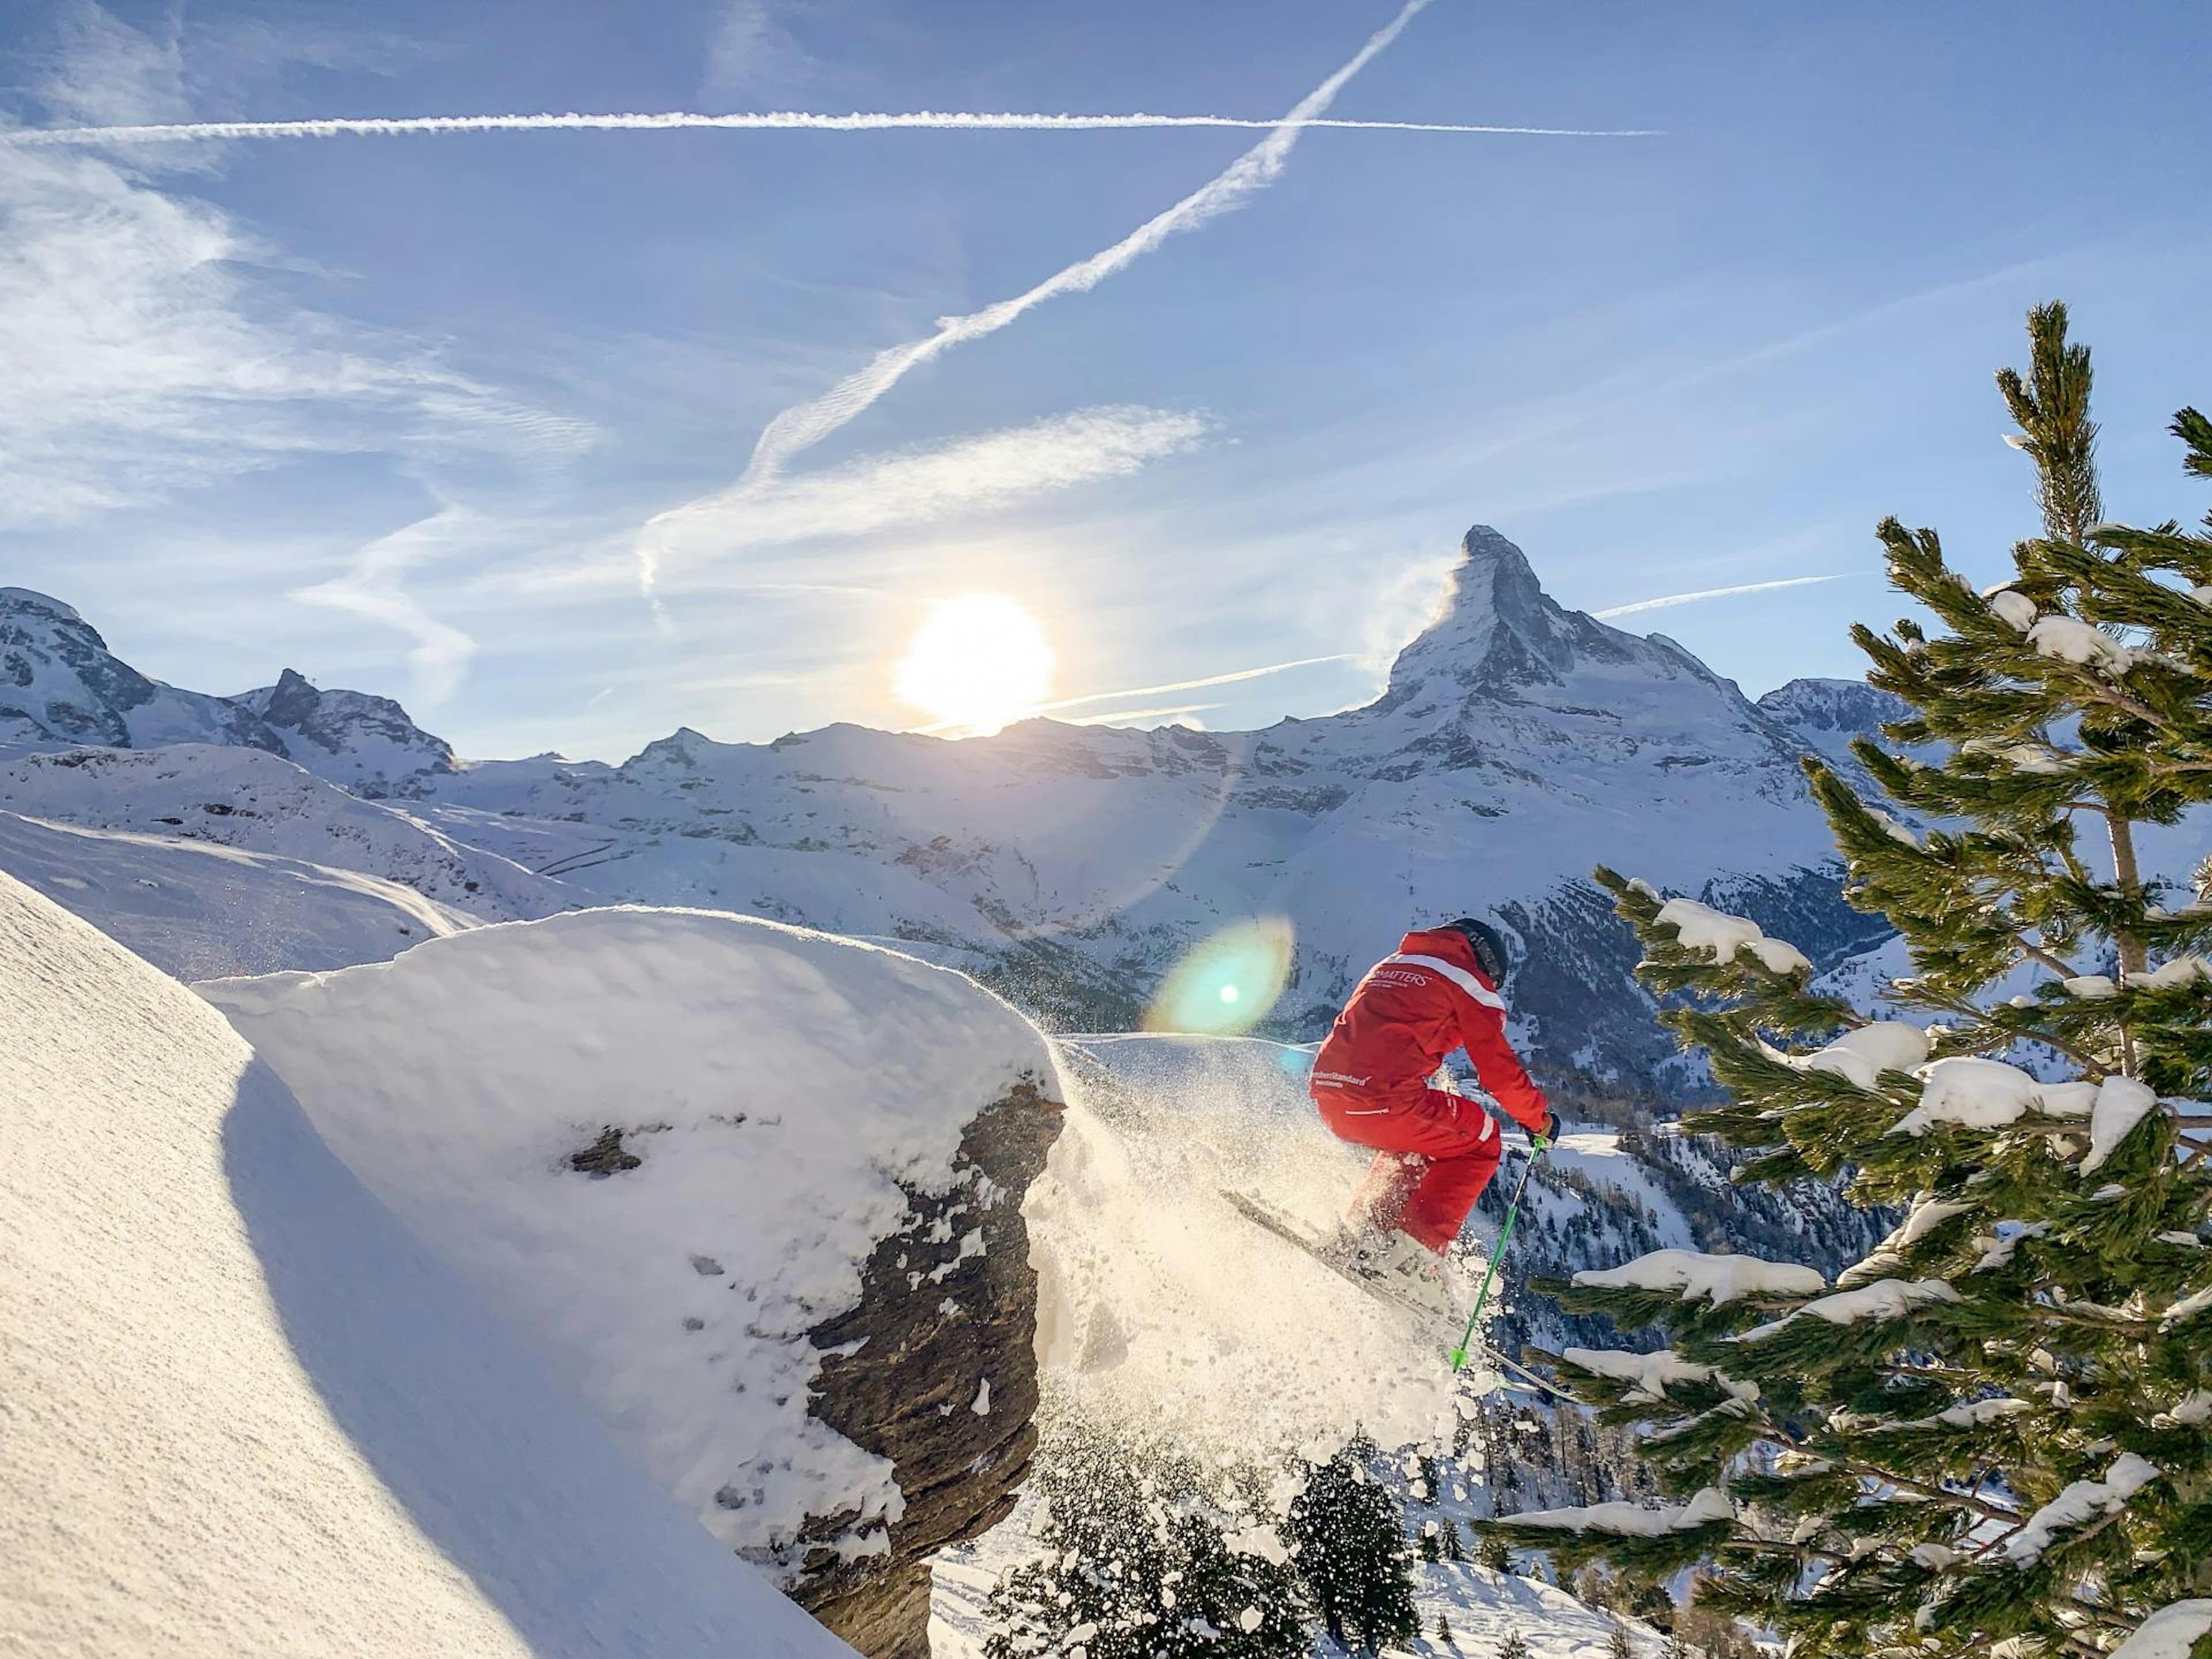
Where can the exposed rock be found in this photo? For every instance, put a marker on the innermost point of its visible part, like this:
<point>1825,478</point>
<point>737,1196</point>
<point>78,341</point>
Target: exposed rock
<point>936,1369</point>
<point>604,1157</point>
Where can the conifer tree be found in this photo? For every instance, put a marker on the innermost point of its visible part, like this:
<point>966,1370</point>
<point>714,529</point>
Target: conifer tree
<point>1138,1562</point>
<point>1513,1646</point>
<point>1993,1429</point>
<point>1347,1533</point>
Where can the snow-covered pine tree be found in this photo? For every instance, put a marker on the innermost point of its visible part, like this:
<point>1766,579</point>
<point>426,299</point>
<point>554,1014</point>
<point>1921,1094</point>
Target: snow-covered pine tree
<point>1347,1533</point>
<point>1994,1429</point>
<point>1617,1643</point>
<point>1140,1560</point>
<point>1513,1646</point>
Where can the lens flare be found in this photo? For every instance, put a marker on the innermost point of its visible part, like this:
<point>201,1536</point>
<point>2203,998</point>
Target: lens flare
<point>1226,983</point>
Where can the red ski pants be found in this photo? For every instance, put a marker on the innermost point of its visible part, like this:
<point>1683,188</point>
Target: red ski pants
<point>1436,1153</point>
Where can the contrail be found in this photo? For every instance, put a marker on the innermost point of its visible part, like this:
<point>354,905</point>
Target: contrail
<point>175,132</point>
<point>1161,690</point>
<point>806,424</point>
<point>1669,599</point>
<point>1191,685</point>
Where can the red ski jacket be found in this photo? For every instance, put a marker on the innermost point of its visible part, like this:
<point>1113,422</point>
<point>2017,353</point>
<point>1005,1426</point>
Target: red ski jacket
<point>1411,1009</point>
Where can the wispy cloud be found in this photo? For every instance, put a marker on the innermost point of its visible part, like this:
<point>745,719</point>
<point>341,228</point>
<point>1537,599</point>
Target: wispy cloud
<point>394,126</point>
<point>1668,600</point>
<point>806,424</point>
<point>914,487</point>
<point>371,590</point>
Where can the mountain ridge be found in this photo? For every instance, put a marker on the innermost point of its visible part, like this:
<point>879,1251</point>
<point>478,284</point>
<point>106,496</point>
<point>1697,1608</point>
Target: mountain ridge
<point>1516,745</point>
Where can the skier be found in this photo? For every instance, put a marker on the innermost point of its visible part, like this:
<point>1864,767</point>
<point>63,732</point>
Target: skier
<point>1436,1150</point>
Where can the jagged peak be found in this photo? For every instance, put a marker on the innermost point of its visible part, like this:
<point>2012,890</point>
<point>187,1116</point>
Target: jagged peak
<point>1496,629</point>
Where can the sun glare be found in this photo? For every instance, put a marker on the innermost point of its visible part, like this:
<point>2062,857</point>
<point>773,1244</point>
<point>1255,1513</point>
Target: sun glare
<point>979,663</point>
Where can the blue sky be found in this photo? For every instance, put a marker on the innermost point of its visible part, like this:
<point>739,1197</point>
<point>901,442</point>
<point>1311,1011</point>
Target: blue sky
<point>413,413</point>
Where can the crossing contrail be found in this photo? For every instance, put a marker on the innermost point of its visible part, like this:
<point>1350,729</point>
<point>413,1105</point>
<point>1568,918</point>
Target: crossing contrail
<point>806,424</point>
<point>1669,599</point>
<point>175,132</point>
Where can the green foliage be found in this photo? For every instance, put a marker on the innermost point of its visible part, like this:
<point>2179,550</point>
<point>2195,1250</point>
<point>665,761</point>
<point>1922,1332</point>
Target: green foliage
<point>1513,1646</point>
<point>1494,1553</point>
<point>1346,1534</point>
<point>1994,1428</point>
<point>1137,1564</point>
<point>1617,1644</point>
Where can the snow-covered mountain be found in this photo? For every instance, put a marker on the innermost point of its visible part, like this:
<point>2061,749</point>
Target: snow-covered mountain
<point>61,686</point>
<point>1828,715</point>
<point>366,742</point>
<point>1516,745</point>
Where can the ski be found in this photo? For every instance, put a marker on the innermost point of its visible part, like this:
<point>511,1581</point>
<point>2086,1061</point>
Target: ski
<point>1292,1231</point>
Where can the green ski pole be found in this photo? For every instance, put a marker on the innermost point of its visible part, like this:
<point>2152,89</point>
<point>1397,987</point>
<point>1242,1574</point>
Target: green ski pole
<point>1512,1214</point>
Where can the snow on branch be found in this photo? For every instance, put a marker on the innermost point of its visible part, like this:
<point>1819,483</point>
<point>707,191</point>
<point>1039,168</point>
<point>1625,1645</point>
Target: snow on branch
<point>1987,1094</point>
<point>1861,1056</point>
<point>1886,1298</point>
<point>1700,927</point>
<point>1649,1374</point>
<point>1694,1276</point>
<point>2171,1632</point>
<point>2079,1504</point>
<point>1629,1521</point>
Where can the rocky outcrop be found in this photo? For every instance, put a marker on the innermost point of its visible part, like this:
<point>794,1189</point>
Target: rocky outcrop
<point>936,1371</point>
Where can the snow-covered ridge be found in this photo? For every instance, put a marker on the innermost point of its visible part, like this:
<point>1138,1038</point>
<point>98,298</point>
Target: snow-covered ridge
<point>1517,746</point>
<point>772,1096</point>
<point>248,1413</point>
<point>60,685</point>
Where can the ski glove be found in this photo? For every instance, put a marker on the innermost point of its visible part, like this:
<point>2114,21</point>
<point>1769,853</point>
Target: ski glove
<point>1548,1133</point>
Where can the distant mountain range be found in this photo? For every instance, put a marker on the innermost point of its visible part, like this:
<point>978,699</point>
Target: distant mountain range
<point>1516,745</point>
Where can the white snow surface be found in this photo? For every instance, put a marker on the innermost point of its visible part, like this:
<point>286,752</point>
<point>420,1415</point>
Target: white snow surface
<point>2170,1633</point>
<point>1696,1276</point>
<point>201,911</point>
<point>779,1086</point>
<point>248,1413</point>
<point>2080,1503</point>
<point>2015,609</point>
<point>262,803</point>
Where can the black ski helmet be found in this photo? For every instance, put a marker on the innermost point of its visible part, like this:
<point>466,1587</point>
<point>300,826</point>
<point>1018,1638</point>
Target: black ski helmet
<point>1489,945</point>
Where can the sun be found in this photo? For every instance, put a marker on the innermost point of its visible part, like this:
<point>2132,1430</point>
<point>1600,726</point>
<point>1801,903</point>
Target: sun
<point>979,662</point>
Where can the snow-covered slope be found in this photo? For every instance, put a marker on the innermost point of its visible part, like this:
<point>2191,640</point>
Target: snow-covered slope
<point>781,1092</point>
<point>258,802</point>
<point>201,911</point>
<point>247,1414</point>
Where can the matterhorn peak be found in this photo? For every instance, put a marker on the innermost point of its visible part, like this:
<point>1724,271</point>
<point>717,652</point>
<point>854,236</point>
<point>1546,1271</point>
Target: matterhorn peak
<point>1495,631</point>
